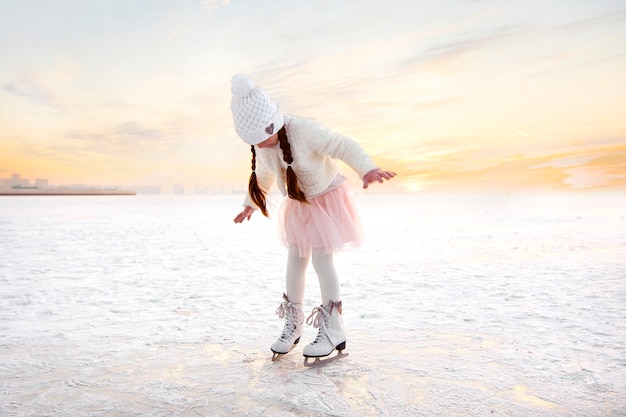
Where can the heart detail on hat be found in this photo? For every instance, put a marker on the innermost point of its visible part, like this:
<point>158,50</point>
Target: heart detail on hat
<point>270,129</point>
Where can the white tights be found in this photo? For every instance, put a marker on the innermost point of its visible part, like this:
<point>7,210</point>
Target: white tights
<point>324,268</point>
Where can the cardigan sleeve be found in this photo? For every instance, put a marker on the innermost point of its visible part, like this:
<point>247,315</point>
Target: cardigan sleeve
<point>327,142</point>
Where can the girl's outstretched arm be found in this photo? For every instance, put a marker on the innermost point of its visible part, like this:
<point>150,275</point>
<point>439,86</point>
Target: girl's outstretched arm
<point>245,214</point>
<point>377,175</point>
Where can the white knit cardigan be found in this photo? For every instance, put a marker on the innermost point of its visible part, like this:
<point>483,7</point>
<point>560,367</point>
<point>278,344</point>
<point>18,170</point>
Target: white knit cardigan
<point>313,148</point>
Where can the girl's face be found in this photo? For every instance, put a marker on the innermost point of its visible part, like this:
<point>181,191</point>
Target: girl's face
<point>269,142</point>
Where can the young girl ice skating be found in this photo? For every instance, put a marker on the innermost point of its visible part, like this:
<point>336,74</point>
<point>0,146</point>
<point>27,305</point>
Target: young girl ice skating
<point>319,216</point>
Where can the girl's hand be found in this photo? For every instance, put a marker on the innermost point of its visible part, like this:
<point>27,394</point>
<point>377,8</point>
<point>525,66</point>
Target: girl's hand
<point>377,175</point>
<point>245,214</point>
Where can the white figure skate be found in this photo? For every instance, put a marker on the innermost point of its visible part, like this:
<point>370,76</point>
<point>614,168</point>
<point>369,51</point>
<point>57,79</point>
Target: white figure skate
<point>331,334</point>
<point>294,318</point>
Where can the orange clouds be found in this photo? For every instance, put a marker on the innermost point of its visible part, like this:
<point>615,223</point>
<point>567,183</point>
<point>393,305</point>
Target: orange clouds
<point>581,168</point>
<point>470,97</point>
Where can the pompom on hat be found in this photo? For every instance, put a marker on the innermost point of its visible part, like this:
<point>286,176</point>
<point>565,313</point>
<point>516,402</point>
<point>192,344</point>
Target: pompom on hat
<point>255,115</point>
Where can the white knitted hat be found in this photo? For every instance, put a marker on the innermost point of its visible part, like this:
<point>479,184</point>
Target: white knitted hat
<point>255,115</point>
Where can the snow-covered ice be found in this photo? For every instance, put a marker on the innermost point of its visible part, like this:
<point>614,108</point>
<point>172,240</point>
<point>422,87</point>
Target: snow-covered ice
<point>457,305</point>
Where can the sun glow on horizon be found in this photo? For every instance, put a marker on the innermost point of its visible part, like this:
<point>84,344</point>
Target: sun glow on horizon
<point>475,96</point>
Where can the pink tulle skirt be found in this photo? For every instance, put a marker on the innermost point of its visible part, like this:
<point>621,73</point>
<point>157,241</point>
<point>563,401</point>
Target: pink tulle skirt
<point>328,221</point>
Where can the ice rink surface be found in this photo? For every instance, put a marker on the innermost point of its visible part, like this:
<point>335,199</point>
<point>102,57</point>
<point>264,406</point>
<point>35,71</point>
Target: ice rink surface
<point>457,305</point>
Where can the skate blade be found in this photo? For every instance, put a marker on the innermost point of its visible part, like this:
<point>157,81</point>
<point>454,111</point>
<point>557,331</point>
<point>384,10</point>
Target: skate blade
<point>310,361</point>
<point>276,355</point>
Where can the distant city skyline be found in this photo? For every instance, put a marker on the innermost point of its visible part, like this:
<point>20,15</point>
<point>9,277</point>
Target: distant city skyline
<point>456,95</point>
<point>17,181</point>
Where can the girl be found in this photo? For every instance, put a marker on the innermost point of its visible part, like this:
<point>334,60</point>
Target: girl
<point>319,216</point>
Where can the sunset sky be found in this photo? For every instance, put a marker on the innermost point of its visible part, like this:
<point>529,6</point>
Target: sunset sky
<point>452,95</point>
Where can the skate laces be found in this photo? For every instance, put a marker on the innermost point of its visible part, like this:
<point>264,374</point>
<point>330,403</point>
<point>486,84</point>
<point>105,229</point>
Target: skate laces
<point>284,309</point>
<point>319,318</point>
<point>289,312</point>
